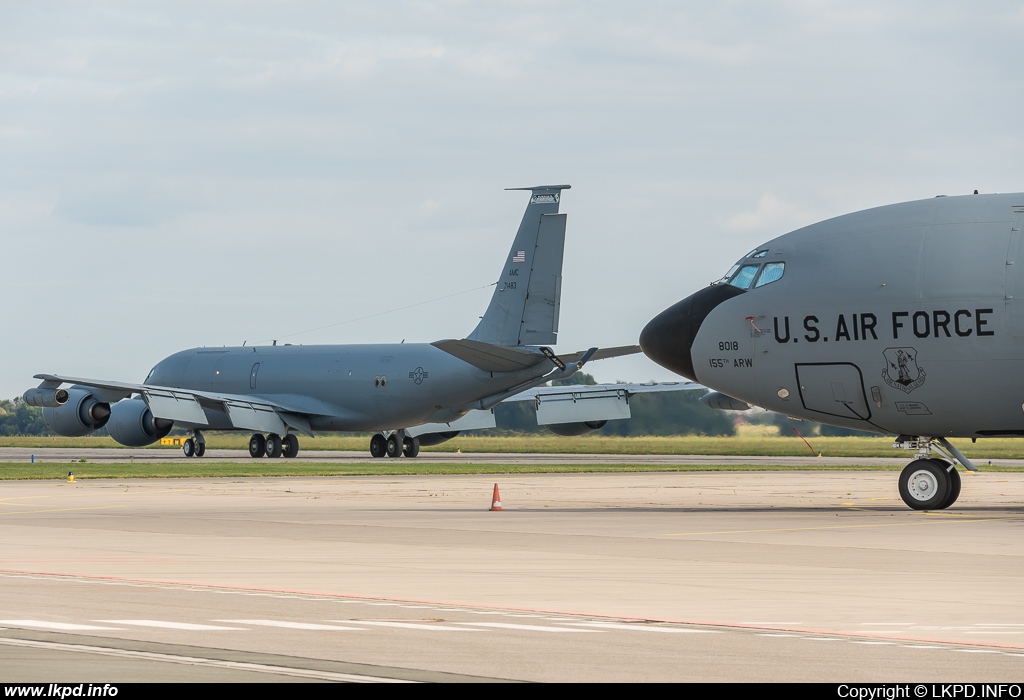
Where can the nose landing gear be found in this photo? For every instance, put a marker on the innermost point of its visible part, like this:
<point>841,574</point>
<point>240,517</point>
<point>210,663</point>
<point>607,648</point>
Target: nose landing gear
<point>930,483</point>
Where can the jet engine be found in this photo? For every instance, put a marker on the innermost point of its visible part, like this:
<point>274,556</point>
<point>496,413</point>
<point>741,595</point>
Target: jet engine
<point>79,414</point>
<point>573,429</point>
<point>133,424</point>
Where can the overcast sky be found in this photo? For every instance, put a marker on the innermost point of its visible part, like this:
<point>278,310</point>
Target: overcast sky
<point>205,173</point>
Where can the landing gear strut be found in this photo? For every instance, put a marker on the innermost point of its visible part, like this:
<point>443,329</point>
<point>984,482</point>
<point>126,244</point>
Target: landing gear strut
<point>273,445</point>
<point>930,483</point>
<point>195,446</point>
<point>394,445</point>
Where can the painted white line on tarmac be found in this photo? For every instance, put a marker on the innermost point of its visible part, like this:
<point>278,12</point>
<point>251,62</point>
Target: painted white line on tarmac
<point>642,628</point>
<point>43,624</point>
<point>524,628</point>
<point>293,625</point>
<point>408,625</point>
<point>163,624</point>
<point>197,661</point>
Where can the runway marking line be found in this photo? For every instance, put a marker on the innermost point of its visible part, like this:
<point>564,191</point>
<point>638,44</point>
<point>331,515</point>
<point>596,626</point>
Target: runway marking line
<point>294,625</point>
<point>469,607</point>
<point>60,510</point>
<point>197,661</point>
<point>163,624</point>
<point>524,628</point>
<point>60,626</point>
<point>410,625</point>
<point>641,628</point>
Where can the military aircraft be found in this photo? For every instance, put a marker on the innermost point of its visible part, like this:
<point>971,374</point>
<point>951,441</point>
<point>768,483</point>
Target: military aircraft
<point>279,391</point>
<point>905,319</point>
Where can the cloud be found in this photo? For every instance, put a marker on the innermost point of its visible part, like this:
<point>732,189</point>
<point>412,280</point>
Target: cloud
<point>771,212</point>
<point>120,201</point>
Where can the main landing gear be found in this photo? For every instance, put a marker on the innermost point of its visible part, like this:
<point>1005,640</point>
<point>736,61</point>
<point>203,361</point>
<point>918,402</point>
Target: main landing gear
<point>273,445</point>
<point>395,445</point>
<point>194,446</point>
<point>930,483</point>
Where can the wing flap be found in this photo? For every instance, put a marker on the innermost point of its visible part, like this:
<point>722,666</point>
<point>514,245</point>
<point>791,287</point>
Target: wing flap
<point>181,408</point>
<point>580,407</point>
<point>256,417</point>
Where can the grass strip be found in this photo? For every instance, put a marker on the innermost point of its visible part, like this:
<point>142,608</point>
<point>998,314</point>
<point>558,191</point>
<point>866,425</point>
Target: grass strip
<point>740,445</point>
<point>98,470</point>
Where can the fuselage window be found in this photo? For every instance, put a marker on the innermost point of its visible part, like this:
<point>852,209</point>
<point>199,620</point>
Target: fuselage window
<point>744,277</point>
<point>772,271</point>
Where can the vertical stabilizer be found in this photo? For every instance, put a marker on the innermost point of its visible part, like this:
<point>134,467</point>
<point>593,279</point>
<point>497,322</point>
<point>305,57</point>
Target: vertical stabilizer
<point>524,307</point>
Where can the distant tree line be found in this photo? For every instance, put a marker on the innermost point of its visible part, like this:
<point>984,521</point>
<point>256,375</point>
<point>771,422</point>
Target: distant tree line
<point>18,418</point>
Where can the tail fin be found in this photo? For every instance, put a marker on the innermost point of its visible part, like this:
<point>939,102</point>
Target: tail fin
<point>524,307</point>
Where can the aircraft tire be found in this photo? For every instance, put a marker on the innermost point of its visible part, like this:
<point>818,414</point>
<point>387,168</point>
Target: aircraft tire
<point>411,447</point>
<point>394,447</point>
<point>924,485</point>
<point>954,483</point>
<point>200,449</point>
<point>257,446</point>
<point>378,446</point>
<point>273,445</point>
<point>188,448</point>
<point>289,445</point>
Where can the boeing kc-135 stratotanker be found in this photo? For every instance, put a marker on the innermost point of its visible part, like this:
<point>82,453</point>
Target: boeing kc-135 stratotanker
<point>412,393</point>
<point>906,319</point>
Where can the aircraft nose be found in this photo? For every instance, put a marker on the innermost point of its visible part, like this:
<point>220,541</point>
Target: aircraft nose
<point>668,338</point>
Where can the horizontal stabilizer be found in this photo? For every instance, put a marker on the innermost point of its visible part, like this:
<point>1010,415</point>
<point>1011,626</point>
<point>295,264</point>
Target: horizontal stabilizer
<point>603,353</point>
<point>491,358</point>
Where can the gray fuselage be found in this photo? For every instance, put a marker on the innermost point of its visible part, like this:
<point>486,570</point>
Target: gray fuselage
<point>341,387</point>
<point>902,319</point>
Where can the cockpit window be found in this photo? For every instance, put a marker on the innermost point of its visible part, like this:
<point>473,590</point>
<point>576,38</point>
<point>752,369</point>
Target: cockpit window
<point>149,376</point>
<point>759,254</point>
<point>772,271</point>
<point>744,277</point>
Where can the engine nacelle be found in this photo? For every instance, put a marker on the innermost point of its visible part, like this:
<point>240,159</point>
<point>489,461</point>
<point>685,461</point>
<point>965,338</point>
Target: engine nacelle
<point>46,398</point>
<point>573,429</point>
<point>133,424</point>
<point>431,439</point>
<point>80,414</point>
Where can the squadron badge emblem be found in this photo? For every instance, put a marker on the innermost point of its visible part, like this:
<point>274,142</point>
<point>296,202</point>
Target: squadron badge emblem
<point>901,369</point>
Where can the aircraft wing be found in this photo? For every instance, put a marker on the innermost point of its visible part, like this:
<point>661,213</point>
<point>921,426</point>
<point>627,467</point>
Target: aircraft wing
<point>584,390</point>
<point>187,406</point>
<point>581,403</point>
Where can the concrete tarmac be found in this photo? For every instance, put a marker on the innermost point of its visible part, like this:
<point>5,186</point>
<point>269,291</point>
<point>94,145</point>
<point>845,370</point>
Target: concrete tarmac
<point>166,455</point>
<point>768,576</point>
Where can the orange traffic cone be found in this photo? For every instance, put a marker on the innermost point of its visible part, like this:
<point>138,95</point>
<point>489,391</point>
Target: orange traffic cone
<point>496,499</point>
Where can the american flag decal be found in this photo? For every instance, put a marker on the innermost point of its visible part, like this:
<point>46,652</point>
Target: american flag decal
<point>520,256</point>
